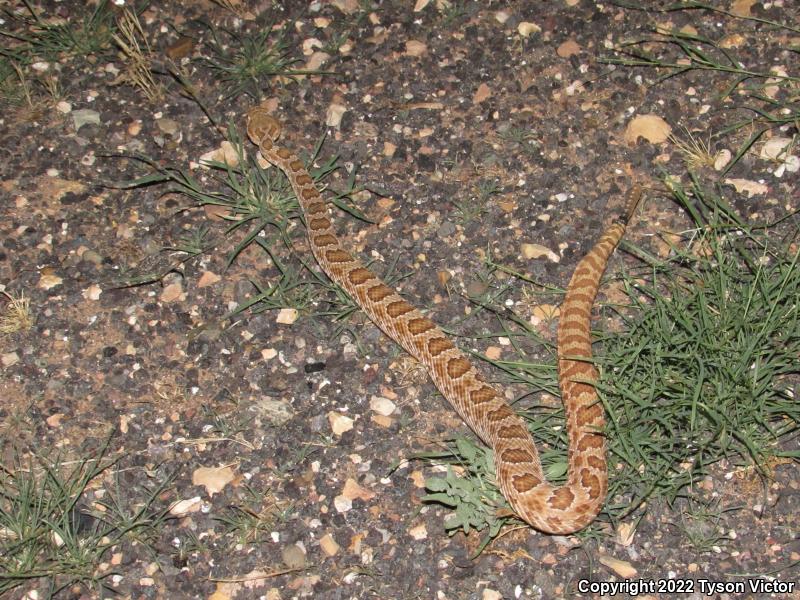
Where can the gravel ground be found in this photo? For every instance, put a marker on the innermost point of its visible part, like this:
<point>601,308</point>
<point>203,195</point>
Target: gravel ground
<point>476,132</point>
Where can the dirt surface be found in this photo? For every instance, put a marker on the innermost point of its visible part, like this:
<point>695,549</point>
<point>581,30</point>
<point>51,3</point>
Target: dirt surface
<point>427,106</point>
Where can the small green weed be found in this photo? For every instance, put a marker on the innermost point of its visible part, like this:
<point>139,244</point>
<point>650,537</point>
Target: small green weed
<point>702,525</point>
<point>456,11</point>
<point>522,137</point>
<point>474,498</point>
<point>473,207</point>
<point>252,521</point>
<point>229,426</point>
<point>335,41</point>
<point>188,545</point>
<point>19,86</point>
<point>251,198</point>
<point>14,86</point>
<point>194,243</point>
<point>34,38</point>
<point>235,7</point>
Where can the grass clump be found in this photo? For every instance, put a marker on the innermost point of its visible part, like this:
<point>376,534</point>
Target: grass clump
<point>707,362</point>
<point>17,315</point>
<point>522,138</point>
<point>696,153</point>
<point>133,44</point>
<point>252,520</point>
<point>245,63</point>
<point>256,202</point>
<point>50,534</point>
<point>38,45</point>
<point>14,86</point>
<point>705,371</point>
<point>475,205</point>
<point>51,38</point>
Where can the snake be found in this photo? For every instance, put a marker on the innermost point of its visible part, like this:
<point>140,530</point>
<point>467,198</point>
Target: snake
<point>553,509</point>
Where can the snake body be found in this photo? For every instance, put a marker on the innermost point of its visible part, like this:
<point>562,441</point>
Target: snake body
<point>560,510</point>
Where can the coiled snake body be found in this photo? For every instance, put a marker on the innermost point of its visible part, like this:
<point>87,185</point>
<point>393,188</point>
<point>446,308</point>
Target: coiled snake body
<point>551,509</point>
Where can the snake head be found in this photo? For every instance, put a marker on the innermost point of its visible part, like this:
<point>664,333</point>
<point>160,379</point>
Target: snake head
<point>262,127</point>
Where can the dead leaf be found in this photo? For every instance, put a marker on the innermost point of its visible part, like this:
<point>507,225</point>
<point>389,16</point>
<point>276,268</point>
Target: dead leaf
<point>625,533</point>
<point>184,507</point>
<point>734,40</point>
<point>741,8</point>
<point>382,406</point>
<point>54,420</point>
<point>215,212</point>
<point>226,154</point>
<point>415,48</point>
<point>294,557</point>
<point>316,61</point>
<point>620,567</point>
<point>92,292</point>
<point>776,148</point>
<point>526,28</point>
<point>9,359</point>
<point>721,159</point>
<point>530,251</point>
<point>417,478</point>
<point>171,292</point>
<point>481,94</point>
<point>418,532</point>
<point>494,352</point>
<point>751,188</point>
<point>651,127</point>
<point>287,316</point>
<point>214,479</point>
<point>544,313</point>
<point>49,280</point>
<point>181,48</point>
<point>348,7</point>
<point>333,117</point>
<point>310,45</point>
<point>328,545</point>
<point>208,278</point>
<point>382,421</point>
<point>353,491</point>
<point>568,48</point>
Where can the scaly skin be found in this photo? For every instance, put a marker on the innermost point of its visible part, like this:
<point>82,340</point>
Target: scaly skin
<point>561,510</point>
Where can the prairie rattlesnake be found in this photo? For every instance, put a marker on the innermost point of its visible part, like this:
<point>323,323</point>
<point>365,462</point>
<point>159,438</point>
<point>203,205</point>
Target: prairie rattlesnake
<point>561,510</point>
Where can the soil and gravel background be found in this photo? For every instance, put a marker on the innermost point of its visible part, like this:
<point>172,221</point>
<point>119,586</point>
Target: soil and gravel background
<point>428,107</point>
